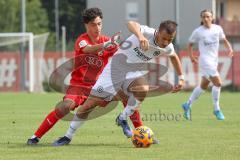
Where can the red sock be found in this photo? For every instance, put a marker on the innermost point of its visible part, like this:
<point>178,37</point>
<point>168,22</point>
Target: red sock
<point>135,117</point>
<point>48,123</point>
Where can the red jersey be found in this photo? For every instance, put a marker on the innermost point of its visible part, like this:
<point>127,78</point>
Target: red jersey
<point>92,64</point>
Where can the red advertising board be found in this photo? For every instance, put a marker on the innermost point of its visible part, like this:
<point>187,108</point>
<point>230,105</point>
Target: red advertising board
<point>10,69</point>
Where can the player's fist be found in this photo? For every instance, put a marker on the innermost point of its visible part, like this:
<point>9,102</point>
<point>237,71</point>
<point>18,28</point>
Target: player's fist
<point>144,43</point>
<point>179,86</point>
<point>194,59</point>
<point>114,41</point>
<point>230,53</point>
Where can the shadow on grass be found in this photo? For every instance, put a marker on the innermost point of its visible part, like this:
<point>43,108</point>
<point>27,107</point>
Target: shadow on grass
<point>43,145</point>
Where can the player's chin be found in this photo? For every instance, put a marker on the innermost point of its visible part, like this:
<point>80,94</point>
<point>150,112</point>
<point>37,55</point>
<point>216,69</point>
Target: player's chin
<point>97,34</point>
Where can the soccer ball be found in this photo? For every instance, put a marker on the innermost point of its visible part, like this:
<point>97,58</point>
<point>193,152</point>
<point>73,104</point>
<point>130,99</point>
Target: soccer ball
<point>142,137</point>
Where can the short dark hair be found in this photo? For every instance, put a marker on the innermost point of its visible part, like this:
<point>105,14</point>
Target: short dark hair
<point>90,14</point>
<point>169,26</point>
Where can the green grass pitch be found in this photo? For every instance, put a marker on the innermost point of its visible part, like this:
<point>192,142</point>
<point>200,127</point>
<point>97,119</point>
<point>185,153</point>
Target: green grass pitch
<point>202,138</point>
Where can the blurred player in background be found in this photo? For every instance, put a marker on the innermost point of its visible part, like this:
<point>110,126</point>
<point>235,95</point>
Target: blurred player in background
<point>207,36</point>
<point>91,43</point>
<point>123,72</point>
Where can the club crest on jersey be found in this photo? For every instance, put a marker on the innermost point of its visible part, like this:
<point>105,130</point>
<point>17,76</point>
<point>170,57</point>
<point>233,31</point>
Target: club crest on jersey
<point>82,43</point>
<point>100,89</point>
<point>156,53</point>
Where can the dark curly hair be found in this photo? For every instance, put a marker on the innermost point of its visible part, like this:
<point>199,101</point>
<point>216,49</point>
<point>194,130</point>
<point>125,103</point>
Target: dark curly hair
<point>90,14</point>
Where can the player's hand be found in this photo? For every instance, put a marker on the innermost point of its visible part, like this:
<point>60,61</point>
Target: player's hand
<point>194,59</point>
<point>179,86</point>
<point>230,53</point>
<point>114,41</point>
<point>144,43</point>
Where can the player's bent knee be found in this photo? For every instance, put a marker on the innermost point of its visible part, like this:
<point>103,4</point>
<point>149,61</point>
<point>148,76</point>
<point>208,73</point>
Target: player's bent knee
<point>64,107</point>
<point>83,113</point>
<point>204,87</point>
<point>218,85</point>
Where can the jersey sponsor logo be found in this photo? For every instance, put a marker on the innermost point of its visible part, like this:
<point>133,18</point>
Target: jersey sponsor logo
<point>94,61</point>
<point>207,43</point>
<point>82,43</point>
<point>141,55</point>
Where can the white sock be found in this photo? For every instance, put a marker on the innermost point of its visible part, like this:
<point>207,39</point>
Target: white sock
<point>34,136</point>
<point>75,124</point>
<point>195,94</point>
<point>216,95</point>
<point>132,104</point>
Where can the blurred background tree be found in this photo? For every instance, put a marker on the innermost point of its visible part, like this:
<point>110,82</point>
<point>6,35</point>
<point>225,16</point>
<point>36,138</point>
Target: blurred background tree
<point>36,16</point>
<point>69,16</point>
<point>9,18</point>
<point>40,18</point>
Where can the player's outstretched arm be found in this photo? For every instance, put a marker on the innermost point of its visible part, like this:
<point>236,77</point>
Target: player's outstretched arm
<point>178,68</point>
<point>228,46</point>
<point>113,41</point>
<point>134,27</point>
<point>93,48</point>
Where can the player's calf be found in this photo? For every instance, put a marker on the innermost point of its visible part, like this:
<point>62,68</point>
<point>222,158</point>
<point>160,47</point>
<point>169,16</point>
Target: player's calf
<point>62,109</point>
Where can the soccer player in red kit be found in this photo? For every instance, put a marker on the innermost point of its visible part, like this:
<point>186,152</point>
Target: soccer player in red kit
<point>91,45</point>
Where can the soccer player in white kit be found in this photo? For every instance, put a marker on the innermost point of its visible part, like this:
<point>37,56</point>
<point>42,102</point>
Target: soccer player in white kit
<point>125,72</point>
<point>207,36</point>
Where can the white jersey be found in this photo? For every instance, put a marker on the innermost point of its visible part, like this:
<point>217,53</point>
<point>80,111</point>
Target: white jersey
<point>208,44</point>
<point>131,47</point>
<point>118,73</point>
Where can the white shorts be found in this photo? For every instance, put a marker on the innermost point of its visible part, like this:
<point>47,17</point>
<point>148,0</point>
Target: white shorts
<point>117,75</point>
<point>207,73</point>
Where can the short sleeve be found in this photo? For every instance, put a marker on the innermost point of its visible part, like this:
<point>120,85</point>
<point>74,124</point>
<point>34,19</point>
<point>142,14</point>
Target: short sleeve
<point>221,33</point>
<point>147,31</point>
<point>80,44</point>
<point>170,50</point>
<point>194,38</point>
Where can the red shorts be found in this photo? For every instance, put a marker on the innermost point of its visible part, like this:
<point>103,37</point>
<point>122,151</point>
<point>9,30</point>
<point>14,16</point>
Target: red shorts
<point>74,95</point>
<point>79,100</point>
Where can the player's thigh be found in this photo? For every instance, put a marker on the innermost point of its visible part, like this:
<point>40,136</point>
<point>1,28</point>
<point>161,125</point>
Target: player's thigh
<point>88,106</point>
<point>64,107</point>
<point>216,80</point>
<point>204,83</point>
<point>73,101</point>
<point>139,87</point>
